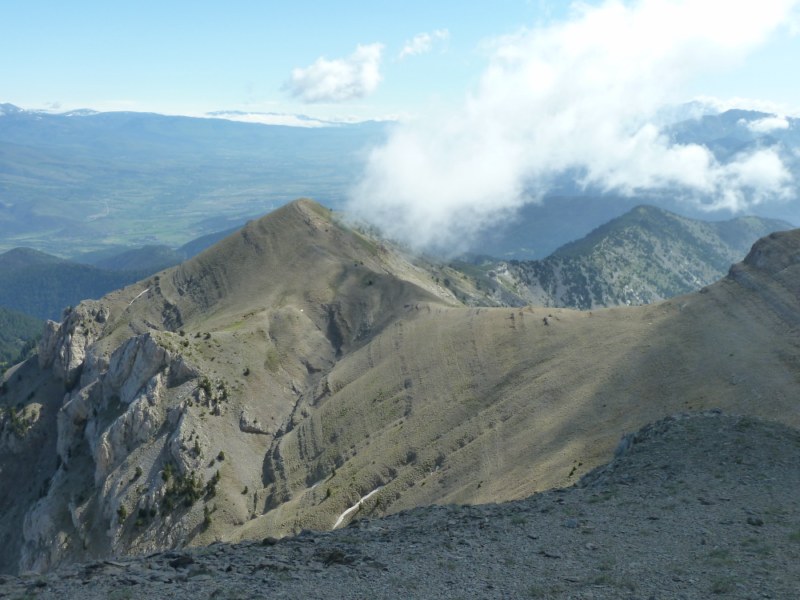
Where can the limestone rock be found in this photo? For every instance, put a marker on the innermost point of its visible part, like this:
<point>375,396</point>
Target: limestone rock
<point>250,424</point>
<point>133,365</point>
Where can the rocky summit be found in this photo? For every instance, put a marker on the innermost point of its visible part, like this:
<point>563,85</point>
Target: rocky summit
<point>693,506</point>
<point>300,374</point>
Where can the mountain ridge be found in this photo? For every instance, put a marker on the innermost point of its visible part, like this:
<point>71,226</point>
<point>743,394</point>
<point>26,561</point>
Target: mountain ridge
<point>647,254</point>
<point>323,368</point>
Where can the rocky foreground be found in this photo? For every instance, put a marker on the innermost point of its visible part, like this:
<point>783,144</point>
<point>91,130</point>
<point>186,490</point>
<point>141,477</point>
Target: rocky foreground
<point>698,506</point>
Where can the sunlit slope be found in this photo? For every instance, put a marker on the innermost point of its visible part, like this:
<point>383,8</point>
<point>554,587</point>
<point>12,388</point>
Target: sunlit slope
<point>295,258</point>
<point>480,405</point>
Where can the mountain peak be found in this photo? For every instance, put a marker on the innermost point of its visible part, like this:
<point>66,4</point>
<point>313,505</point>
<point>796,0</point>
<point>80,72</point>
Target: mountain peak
<point>9,109</point>
<point>25,257</point>
<point>645,255</point>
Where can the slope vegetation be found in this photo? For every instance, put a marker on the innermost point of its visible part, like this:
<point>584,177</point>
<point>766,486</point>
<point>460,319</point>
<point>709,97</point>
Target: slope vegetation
<point>277,379</point>
<point>17,334</point>
<point>41,285</point>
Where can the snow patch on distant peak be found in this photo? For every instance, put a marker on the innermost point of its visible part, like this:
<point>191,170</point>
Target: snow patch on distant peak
<point>288,120</point>
<point>355,507</point>
<point>81,112</point>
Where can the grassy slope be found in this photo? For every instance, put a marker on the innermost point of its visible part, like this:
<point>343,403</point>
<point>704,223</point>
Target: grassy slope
<point>365,372</point>
<point>498,408</point>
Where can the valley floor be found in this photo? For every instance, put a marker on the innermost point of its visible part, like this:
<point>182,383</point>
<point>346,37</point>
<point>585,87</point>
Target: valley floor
<point>699,506</point>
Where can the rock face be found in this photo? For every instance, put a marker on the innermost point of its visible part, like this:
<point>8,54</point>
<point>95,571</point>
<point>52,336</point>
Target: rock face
<point>299,369</point>
<point>250,424</point>
<point>114,406</point>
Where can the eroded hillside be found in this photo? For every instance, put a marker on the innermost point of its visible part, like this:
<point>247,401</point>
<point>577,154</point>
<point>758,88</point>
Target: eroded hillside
<point>271,382</point>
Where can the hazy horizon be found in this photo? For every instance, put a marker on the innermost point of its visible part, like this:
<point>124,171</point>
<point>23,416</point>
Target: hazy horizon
<point>492,103</point>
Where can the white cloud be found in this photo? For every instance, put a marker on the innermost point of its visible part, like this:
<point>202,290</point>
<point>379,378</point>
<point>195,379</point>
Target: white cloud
<point>581,97</point>
<point>423,43</point>
<point>341,79</point>
<point>768,124</point>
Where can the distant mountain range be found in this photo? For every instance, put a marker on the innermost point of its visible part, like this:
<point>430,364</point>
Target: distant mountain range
<point>646,255</point>
<point>42,285</point>
<point>570,211</point>
<point>149,259</point>
<point>85,181</point>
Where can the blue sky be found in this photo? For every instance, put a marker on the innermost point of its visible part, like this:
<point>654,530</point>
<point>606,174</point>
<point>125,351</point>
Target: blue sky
<point>193,57</point>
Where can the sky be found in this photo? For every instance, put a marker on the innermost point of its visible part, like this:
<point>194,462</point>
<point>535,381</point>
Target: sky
<point>493,100</point>
<point>192,57</point>
<point>382,59</point>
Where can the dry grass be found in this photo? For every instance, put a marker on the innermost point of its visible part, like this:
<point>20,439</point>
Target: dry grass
<point>366,373</point>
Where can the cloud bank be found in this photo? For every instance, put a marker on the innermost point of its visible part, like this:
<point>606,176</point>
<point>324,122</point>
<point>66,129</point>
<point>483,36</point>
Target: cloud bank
<point>338,80</point>
<point>575,97</point>
<point>768,124</point>
<point>423,43</point>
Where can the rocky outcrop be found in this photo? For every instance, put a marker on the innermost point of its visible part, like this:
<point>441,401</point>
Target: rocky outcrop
<point>63,347</point>
<point>775,252</point>
<point>114,406</point>
<point>250,424</point>
<point>771,271</point>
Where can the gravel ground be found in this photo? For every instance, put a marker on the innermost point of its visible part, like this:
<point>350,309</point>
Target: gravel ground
<point>700,506</point>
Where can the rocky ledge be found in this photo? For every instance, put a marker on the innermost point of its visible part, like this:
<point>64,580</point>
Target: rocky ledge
<point>698,506</point>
